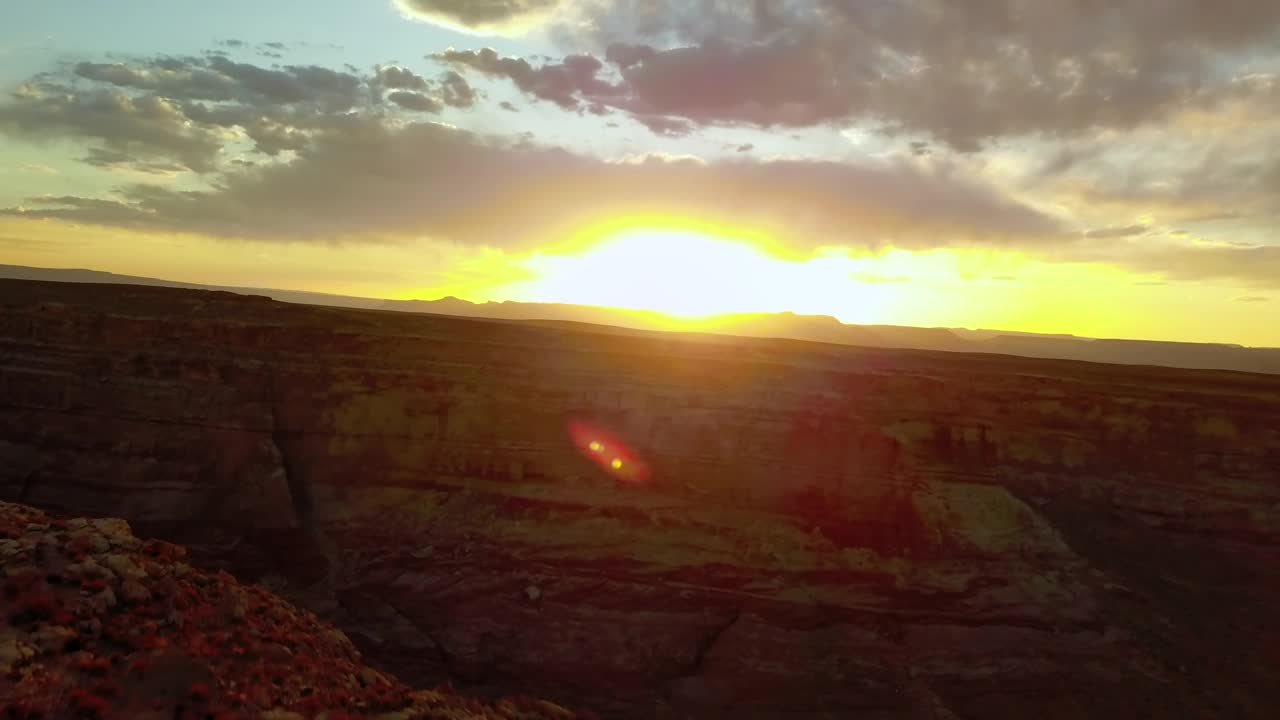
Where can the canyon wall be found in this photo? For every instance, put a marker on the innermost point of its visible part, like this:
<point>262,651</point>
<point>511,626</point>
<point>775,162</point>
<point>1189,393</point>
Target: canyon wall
<point>817,528</point>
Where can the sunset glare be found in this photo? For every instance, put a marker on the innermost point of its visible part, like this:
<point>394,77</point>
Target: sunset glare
<point>690,275</point>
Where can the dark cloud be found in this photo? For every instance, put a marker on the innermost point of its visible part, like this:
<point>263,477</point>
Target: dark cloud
<point>88,210</point>
<point>272,137</point>
<point>665,125</point>
<point>116,159</point>
<point>505,105</point>
<point>565,83</point>
<point>328,89</point>
<point>146,128</point>
<point>495,16</point>
<point>368,179</point>
<point>159,115</point>
<point>1115,231</point>
<point>185,78</point>
<point>217,78</point>
<point>456,91</point>
<point>415,101</point>
<point>745,147</point>
<point>398,78</point>
<point>963,72</point>
<point>721,83</point>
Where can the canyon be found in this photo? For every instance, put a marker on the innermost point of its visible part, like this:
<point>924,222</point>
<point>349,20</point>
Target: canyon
<point>647,524</point>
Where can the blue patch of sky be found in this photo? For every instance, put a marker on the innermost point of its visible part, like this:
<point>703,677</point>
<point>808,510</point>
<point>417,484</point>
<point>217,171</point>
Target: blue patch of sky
<point>35,35</point>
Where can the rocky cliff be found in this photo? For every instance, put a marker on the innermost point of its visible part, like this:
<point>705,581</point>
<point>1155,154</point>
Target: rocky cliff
<point>678,525</point>
<point>98,624</point>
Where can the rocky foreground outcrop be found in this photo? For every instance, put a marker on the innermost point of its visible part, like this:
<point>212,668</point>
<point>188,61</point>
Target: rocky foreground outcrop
<point>98,624</point>
<point>816,529</point>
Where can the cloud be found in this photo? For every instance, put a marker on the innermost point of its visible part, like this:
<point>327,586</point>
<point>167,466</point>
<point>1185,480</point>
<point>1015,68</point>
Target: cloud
<point>93,211</point>
<point>184,78</point>
<point>147,128</point>
<point>491,17</point>
<point>719,83</point>
<point>368,178</point>
<point>329,89</point>
<point>1255,266</point>
<point>158,115</point>
<point>28,243</point>
<point>217,78</point>
<point>398,78</point>
<point>1177,176</point>
<point>452,89</point>
<point>1115,231</point>
<point>1252,299</point>
<point>565,83</point>
<point>965,73</point>
<point>664,125</point>
<point>456,91</point>
<point>415,101</point>
<point>119,160</point>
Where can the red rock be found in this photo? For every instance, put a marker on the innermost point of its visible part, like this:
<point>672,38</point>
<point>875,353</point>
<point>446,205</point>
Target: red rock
<point>208,665</point>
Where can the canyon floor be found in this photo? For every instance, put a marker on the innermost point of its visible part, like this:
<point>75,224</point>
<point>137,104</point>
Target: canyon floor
<point>662,525</point>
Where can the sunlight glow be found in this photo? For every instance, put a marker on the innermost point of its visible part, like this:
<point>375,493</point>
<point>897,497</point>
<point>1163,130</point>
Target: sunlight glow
<point>690,274</point>
<point>947,287</point>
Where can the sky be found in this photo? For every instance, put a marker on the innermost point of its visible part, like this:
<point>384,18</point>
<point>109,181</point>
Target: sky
<point>1103,169</point>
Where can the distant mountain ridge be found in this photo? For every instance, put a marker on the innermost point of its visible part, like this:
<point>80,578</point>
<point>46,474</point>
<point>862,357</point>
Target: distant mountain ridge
<point>818,328</point>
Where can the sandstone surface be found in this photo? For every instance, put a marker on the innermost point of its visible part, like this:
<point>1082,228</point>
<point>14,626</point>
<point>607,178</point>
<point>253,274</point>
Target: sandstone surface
<point>819,531</point>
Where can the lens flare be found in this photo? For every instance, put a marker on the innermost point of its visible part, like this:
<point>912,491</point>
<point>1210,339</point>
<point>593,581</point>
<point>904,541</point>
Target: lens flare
<point>607,451</point>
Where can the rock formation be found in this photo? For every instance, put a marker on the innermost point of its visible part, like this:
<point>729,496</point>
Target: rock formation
<point>819,528</point>
<point>98,624</point>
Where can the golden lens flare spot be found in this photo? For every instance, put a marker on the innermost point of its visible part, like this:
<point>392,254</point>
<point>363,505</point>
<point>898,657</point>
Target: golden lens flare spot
<point>595,446</point>
<point>616,464</point>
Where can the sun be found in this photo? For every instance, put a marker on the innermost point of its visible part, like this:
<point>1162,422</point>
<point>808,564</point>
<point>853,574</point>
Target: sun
<point>686,274</point>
